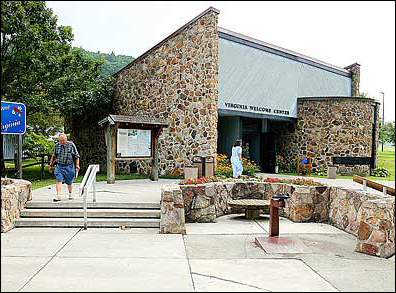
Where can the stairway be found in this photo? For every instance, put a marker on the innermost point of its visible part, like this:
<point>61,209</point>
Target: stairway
<point>100,215</point>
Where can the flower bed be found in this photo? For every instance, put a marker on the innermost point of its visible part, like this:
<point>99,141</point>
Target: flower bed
<point>295,181</point>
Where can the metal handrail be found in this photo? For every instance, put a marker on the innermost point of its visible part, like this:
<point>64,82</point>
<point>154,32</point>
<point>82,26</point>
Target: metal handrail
<point>87,183</point>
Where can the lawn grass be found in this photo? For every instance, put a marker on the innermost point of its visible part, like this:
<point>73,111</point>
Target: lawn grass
<point>33,174</point>
<point>386,159</point>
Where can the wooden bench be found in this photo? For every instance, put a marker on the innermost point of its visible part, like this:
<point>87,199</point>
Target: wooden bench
<point>252,206</point>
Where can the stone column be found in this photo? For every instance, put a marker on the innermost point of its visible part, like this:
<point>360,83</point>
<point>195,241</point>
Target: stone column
<point>354,69</point>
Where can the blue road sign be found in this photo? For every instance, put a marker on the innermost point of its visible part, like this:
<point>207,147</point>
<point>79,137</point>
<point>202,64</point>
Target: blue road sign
<point>13,118</point>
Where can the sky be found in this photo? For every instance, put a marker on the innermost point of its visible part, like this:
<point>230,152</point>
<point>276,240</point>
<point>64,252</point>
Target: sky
<point>339,33</point>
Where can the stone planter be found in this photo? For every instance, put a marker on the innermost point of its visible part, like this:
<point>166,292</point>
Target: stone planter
<point>14,195</point>
<point>369,217</point>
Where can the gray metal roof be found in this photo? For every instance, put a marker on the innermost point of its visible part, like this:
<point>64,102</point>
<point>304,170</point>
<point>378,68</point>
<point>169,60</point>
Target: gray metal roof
<point>242,39</point>
<point>141,119</point>
<point>253,77</point>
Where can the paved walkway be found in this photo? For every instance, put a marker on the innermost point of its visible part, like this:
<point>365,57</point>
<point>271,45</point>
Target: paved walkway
<point>218,256</point>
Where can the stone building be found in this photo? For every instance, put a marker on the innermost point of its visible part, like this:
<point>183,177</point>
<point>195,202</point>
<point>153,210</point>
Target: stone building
<point>214,85</point>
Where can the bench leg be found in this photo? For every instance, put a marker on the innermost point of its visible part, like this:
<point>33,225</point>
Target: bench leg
<point>252,214</point>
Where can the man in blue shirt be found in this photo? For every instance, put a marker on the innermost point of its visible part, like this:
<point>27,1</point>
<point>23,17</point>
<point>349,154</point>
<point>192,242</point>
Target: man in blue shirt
<point>68,162</point>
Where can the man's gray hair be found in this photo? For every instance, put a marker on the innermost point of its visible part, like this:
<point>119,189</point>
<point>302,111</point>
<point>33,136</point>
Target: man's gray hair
<point>62,134</point>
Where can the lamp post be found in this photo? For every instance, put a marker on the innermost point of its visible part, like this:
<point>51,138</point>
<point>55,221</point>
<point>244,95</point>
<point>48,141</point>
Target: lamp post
<point>383,116</point>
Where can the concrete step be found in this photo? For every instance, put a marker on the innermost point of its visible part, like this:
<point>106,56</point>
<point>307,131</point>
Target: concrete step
<point>65,204</point>
<point>92,222</point>
<point>92,213</point>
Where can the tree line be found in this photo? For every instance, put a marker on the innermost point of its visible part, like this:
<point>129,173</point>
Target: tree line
<point>41,69</point>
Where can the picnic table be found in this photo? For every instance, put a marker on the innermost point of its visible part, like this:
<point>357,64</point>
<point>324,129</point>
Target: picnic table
<point>252,206</point>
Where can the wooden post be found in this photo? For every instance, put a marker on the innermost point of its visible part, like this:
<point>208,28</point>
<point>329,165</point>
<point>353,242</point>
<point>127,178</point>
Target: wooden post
<point>154,169</point>
<point>19,157</point>
<point>110,146</point>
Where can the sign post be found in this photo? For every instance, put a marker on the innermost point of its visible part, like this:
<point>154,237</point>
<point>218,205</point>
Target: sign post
<point>13,121</point>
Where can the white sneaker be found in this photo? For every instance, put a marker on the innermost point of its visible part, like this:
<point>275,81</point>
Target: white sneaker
<point>70,197</point>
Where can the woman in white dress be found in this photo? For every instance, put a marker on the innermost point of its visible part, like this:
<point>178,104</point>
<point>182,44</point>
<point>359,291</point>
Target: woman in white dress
<point>236,159</point>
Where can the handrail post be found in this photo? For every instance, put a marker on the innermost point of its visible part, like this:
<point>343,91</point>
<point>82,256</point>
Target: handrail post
<point>384,190</point>
<point>85,208</point>
<point>94,191</point>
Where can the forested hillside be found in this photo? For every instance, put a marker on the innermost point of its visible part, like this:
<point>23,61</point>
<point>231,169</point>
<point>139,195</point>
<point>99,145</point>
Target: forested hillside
<point>113,62</point>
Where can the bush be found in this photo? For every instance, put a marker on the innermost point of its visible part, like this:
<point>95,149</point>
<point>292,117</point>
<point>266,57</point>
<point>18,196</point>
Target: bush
<point>250,168</point>
<point>322,171</point>
<point>380,172</point>
<point>37,144</point>
<point>224,167</point>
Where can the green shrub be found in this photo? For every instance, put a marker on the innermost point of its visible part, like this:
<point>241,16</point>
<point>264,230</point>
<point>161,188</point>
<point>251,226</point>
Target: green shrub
<point>322,171</point>
<point>37,144</point>
<point>380,172</point>
<point>250,168</point>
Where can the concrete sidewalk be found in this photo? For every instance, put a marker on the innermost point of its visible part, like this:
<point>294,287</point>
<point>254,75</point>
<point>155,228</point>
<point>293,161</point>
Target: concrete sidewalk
<point>138,190</point>
<point>218,256</point>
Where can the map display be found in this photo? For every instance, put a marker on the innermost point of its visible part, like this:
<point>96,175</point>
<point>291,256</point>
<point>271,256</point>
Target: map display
<point>133,143</point>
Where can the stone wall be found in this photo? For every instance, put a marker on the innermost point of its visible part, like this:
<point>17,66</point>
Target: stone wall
<point>172,211</point>
<point>14,195</point>
<point>328,127</point>
<point>89,139</point>
<point>354,69</point>
<point>369,217</point>
<point>376,231</point>
<point>176,80</point>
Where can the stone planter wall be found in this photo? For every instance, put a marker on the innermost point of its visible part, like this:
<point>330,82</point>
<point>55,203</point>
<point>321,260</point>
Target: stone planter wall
<point>376,230</point>
<point>172,210</point>
<point>343,208</point>
<point>14,195</point>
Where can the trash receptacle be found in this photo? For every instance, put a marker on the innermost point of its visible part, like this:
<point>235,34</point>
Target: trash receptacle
<point>331,172</point>
<point>205,165</point>
<point>190,172</point>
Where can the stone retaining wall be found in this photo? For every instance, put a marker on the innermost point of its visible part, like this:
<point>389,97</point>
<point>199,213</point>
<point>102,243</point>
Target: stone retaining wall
<point>343,208</point>
<point>14,195</point>
<point>376,230</point>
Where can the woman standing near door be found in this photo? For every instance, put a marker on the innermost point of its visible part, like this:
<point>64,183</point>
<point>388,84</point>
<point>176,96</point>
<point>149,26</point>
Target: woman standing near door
<point>236,159</point>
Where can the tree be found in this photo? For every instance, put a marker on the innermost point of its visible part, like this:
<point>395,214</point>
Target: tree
<point>38,65</point>
<point>46,124</point>
<point>387,132</point>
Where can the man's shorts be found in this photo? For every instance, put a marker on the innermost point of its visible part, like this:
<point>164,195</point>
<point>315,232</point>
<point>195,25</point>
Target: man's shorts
<point>65,173</point>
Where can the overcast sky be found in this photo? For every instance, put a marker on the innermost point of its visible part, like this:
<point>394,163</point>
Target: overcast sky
<point>339,33</point>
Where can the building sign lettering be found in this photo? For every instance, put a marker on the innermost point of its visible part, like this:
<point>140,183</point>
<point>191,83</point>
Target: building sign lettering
<point>256,109</point>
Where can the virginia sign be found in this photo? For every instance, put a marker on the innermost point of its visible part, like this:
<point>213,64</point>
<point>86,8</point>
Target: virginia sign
<point>13,118</point>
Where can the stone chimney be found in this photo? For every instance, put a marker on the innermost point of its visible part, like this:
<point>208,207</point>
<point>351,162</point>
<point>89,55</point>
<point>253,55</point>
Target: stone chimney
<point>354,69</point>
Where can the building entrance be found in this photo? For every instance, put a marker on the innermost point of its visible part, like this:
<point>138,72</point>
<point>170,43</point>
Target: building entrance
<point>257,136</point>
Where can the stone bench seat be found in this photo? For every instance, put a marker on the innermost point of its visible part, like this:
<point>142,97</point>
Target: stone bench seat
<point>252,206</point>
